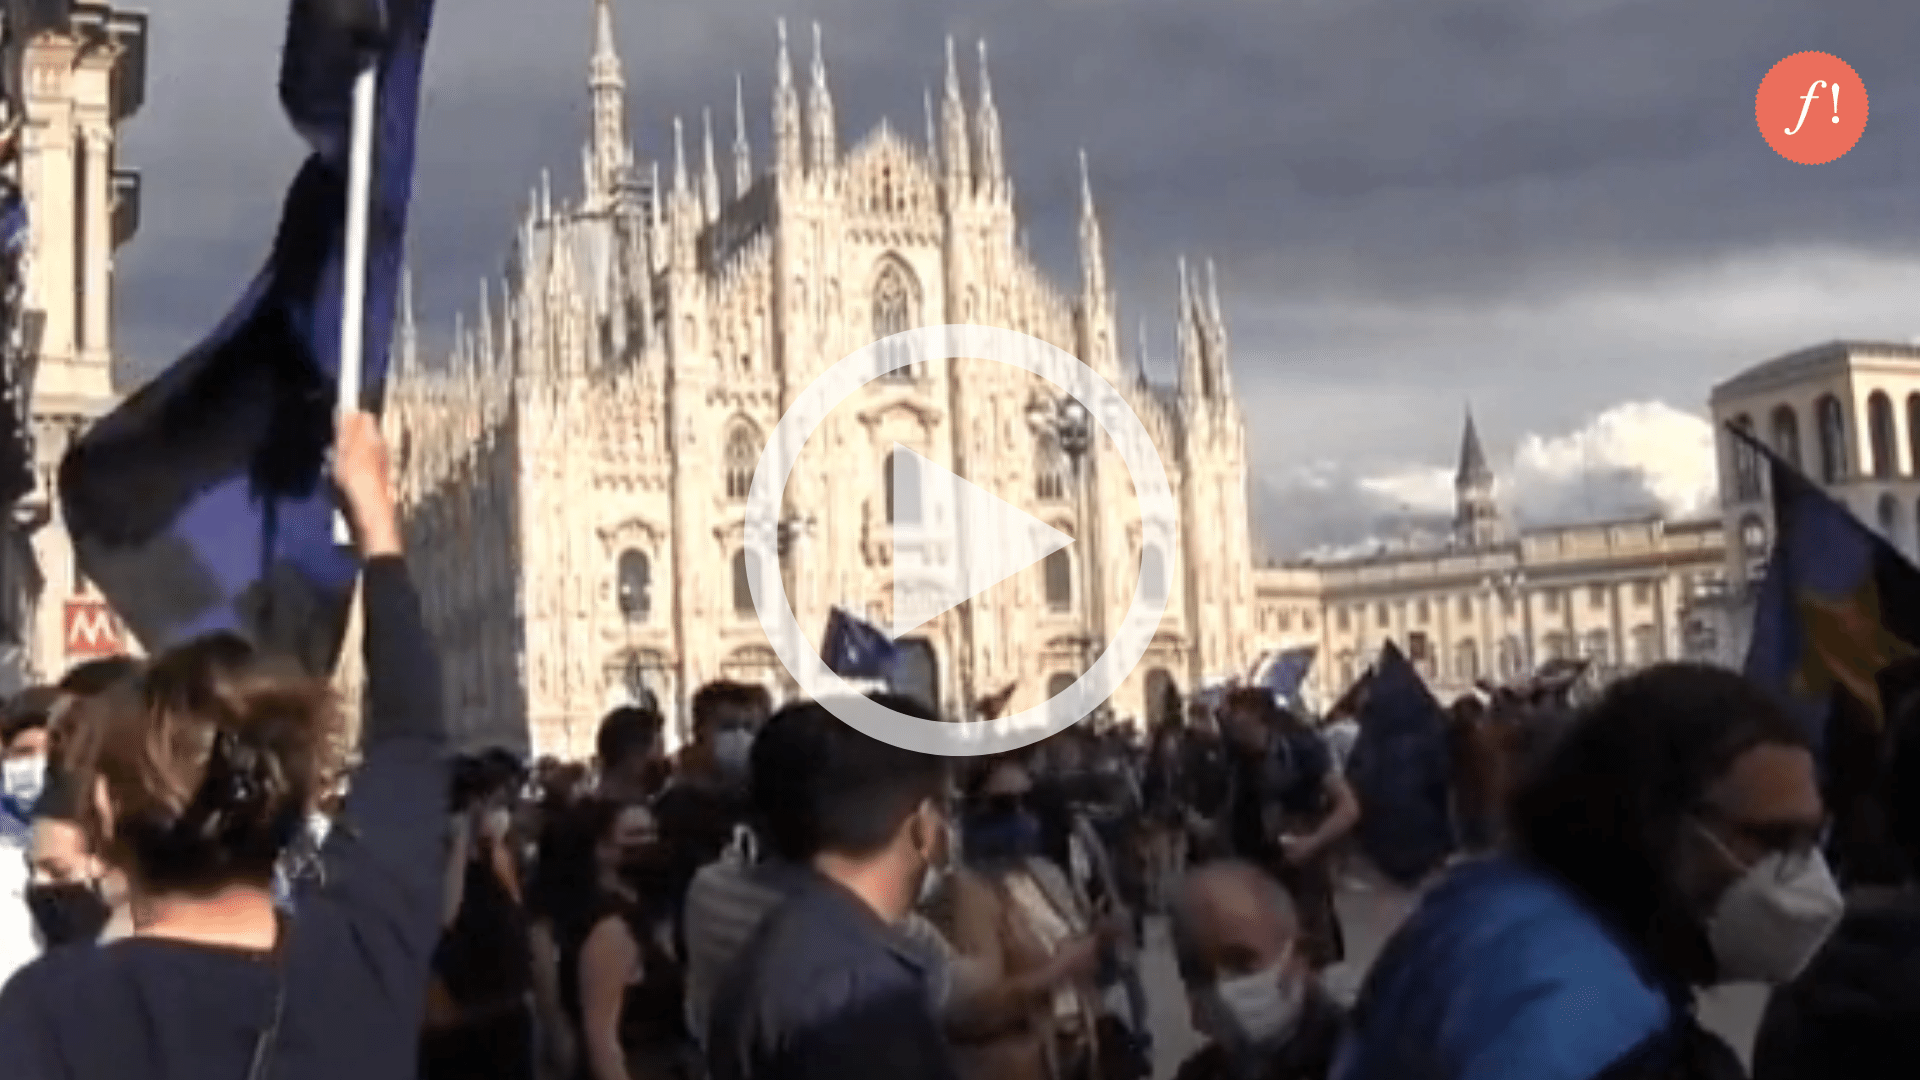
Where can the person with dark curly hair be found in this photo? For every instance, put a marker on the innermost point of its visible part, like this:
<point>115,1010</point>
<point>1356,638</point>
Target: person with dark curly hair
<point>1670,841</point>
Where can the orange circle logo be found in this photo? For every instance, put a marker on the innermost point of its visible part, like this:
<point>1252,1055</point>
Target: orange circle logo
<point>1811,107</point>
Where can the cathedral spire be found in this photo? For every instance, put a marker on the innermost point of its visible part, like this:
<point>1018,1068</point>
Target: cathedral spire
<point>486,326</point>
<point>709,174</point>
<point>933,133</point>
<point>608,88</point>
<point>1194,382</point>
<point>954,151</point>
<point>1476,516</point>
<point>679,159</point>
<point>992,162</point>
<point>820,111</point>
<point>1140,358</point>
<point>408,347</point>
<point>1093,263</point>
<point>742,149</point>
<point>786,112</point>
<point>1216,323</point>
<point>546,195</point>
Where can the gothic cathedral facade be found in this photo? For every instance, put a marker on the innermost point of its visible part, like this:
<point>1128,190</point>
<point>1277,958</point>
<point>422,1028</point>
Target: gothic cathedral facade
<point>574,473</point>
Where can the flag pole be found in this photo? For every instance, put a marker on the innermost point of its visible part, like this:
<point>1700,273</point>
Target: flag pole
<point>353,284</point>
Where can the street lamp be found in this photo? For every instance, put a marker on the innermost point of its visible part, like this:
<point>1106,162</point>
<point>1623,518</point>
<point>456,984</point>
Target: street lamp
<point>1070,425</point>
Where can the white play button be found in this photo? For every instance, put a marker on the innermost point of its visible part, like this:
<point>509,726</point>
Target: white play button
<point>953,540</point>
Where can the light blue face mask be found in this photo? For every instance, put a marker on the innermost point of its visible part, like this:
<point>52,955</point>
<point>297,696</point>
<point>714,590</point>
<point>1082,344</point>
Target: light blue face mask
<point>24,780</point>
<point>732,753</point>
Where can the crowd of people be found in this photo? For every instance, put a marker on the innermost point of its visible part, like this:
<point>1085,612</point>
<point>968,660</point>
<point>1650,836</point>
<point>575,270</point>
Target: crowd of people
<point>194,884</point>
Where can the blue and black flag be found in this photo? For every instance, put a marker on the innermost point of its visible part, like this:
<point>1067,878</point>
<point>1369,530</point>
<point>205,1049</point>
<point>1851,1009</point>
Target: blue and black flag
<point>202,503</point>
<point>1400,771</point>
<point>857,649</point>
<point>1837,610</point>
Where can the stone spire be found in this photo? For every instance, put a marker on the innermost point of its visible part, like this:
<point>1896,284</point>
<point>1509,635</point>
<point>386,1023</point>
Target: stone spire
<point>680,188</point>
<point>820,111</point>
<point>992,161</point>
<point>933,131</point>
<point>1093,263</point>
<point>1216,324</point>
<point>955,152</point>
<point>709,174</point>
<point>1195,382</point>
<point>1140,359</point>
<point>787,154</point>
<point>742,149</point>
<point>608,87</point>
<point>1476,516</point>
<point>407,347</point>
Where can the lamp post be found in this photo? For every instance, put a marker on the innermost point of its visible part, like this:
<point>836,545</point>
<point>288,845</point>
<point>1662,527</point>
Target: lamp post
<point>1070,426</point>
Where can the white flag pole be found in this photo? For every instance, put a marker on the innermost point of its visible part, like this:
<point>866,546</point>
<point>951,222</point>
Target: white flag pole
<point>353,284</point>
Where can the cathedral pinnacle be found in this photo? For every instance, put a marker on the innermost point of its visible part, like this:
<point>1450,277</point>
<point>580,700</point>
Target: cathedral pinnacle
<point>1093,267</point>
<point>820,110</point>
<point>742,149</point>
<point>606,52</point>
<point>679,158</point>
<point>955,152</point>
<point>992,163</point>
<point>786,111</point>
<point>610,153</point>
<point>709,175</point>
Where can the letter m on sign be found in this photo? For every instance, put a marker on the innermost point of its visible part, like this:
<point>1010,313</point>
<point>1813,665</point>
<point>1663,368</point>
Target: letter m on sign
<point>91,630</point>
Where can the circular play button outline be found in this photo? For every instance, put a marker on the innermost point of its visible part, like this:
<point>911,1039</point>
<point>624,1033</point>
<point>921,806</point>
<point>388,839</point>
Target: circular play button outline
<point>1104,404</point>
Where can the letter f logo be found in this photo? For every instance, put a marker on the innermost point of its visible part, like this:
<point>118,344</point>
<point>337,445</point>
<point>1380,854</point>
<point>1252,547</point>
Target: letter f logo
<point>1807,103</point>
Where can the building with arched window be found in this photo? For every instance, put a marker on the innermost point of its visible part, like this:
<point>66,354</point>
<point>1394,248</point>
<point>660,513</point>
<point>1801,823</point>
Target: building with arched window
<point>1856,407</point>
<point>578,466</point>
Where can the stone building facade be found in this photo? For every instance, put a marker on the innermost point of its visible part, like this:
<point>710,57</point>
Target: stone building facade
<point>575,473</point>
<point>1847,414</point>
<point>72,78</point>
<point>1495,605</point>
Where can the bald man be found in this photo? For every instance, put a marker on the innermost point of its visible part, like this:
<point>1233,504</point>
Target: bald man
<point>1251,991</point>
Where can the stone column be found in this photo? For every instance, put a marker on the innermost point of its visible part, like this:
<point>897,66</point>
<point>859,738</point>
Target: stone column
<point>96,282</point>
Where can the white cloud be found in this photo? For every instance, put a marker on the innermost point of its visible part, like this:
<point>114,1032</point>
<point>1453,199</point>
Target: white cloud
<point>1635,458</point>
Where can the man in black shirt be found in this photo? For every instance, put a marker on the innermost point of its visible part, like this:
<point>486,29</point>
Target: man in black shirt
<point>1287,806</point>
<point>624,748</point>
<point>828,987</point>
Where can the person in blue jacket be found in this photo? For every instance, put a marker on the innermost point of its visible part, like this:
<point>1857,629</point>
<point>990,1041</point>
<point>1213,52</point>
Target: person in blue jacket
<point>1668,842</point>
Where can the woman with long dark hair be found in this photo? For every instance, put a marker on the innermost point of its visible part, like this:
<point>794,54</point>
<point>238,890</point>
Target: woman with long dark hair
<point>202,767</point>
<point>604,901</point>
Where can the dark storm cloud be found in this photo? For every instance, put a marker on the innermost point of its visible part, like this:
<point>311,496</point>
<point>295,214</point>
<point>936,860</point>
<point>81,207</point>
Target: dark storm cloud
<point>1543,205</point>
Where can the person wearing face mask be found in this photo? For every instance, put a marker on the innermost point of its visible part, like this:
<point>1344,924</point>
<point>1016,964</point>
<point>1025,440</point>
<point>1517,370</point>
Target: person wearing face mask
<point>705,804</point>
<point>829,986</point>
<point>1236,938</point>
<point>1668,842</point>
<point>479,1022</point>
<point>23,753</point>
<point>1855,1011</point>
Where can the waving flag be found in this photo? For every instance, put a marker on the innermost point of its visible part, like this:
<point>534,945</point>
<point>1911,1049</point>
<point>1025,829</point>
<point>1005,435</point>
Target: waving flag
<point>857,649</point>
<point>1400,772</point>
<point>202,502</point>
<point>1288,672</point>
<point>1838,611</point>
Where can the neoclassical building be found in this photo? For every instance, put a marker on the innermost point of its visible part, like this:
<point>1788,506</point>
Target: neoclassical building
<point>1490,603</point>
<point>1847,414</point>
<point>72,77</point>
<point>575,472</point>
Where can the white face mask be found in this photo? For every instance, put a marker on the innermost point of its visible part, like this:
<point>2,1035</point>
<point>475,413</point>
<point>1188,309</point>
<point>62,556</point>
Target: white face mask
<point>1769,924</point>
<point>25,779</point>
<point>497,822</point>
<point>1249,1014</point>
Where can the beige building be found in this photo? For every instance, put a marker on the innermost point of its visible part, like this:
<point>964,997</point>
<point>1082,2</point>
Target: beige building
<point>1492,605</point>
<point>575,473</point>
<point>1847,414</point>
<point>70,88</point>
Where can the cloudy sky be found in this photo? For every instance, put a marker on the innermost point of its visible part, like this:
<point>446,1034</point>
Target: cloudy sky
<point>1559,211</point>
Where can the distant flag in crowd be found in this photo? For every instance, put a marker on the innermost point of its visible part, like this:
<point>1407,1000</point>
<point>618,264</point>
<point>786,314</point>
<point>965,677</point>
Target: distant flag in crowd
<point>202,502</point>
<point>1838,610</point>
<point>1288,673</point>
<point>1400,772</point>
<point>857,649</point>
